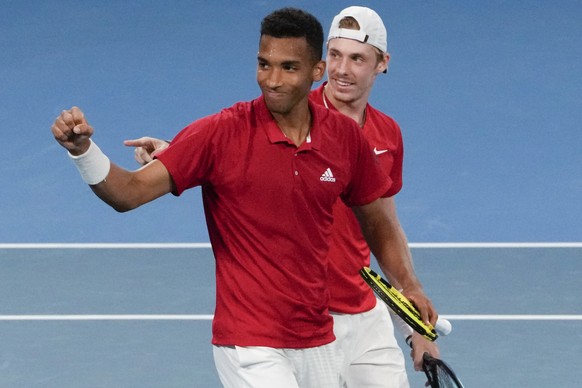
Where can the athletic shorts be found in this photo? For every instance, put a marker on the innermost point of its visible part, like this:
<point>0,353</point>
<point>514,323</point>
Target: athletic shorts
<point>264,367</point>
<point>372,357</point>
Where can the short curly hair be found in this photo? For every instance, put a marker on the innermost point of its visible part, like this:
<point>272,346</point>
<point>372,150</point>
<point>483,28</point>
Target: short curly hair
<point>295,23</point>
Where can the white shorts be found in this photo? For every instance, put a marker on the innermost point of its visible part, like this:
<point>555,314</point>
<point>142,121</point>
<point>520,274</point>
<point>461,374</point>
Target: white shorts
<point>372,355</point>
<point>263,367</point>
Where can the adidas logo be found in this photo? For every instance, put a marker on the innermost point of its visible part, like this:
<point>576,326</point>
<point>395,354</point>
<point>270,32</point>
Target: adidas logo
<point>327,176</point>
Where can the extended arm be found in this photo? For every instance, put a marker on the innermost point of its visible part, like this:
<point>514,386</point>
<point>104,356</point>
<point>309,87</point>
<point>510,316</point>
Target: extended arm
<point>121,189</point>
<point>126,190</point>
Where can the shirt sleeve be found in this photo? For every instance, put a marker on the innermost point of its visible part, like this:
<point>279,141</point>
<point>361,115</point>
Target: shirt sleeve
<point>190,157</point>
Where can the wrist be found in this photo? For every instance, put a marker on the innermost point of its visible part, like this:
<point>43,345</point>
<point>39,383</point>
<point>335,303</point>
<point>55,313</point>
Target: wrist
<point>81,150</point>
<point>93,165</point>
<point>411,286</point>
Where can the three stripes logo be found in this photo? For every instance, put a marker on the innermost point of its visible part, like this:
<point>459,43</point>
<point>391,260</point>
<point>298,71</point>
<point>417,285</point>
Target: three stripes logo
<point>327,176</point>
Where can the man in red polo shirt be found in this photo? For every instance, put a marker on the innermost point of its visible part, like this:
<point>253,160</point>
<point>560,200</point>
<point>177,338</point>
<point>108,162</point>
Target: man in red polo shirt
<point>270,171</point>
<point>357,53</point>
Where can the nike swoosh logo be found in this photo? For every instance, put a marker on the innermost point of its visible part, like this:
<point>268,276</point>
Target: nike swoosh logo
<point>379,152</point>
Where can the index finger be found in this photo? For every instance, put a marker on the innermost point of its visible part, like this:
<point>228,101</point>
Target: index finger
<point>432,315</point>
<point>141,142</point>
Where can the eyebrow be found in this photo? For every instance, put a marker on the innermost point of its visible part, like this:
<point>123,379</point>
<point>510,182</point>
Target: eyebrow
<point>291,63</point>
<point>334,50</point>
<point>284,63</point>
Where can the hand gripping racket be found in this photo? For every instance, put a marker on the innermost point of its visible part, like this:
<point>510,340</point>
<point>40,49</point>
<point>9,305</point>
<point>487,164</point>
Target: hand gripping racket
<point>438,373</point>
<point>403,307</point>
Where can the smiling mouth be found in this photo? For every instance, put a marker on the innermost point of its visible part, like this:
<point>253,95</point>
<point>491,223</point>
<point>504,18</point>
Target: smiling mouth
<point>274,94</point>
<point>344,84</point>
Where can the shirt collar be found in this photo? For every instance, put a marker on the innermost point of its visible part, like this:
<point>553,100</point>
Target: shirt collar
<point>329,105</point>
<point>274,133</point>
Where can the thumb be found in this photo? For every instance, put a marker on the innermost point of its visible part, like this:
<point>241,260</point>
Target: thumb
<point>83,130</point>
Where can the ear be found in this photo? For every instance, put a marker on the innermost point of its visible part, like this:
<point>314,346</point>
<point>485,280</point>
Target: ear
<point>383,65</point>
<point>318,71</point>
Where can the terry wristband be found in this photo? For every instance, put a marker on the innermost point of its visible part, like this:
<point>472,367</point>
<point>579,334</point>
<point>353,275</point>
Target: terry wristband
<point>93,165</point>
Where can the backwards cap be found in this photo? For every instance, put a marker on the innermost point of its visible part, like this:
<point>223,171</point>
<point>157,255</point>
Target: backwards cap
<point>372,30</point>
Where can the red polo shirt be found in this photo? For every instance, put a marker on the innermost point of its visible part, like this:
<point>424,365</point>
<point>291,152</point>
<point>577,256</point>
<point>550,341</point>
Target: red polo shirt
<point>269,207</point>
<point>348,249</point>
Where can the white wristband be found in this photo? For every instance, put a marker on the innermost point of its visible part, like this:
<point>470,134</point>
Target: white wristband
<point>93,165</point>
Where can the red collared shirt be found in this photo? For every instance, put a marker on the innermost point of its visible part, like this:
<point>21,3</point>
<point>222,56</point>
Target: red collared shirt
<point>348,249</point>
<point>269,206</point>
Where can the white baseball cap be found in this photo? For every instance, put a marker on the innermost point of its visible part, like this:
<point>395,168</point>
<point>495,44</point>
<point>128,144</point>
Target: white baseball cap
<point>372,30</point>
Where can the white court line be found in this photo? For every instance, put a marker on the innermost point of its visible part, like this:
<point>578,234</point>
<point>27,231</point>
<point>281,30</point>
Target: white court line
<point>515,317</point>
<point>208,317</point>
<point>499,245</point>
<point>207,245</point>
<point>105,245</point>
<point>109,317</point>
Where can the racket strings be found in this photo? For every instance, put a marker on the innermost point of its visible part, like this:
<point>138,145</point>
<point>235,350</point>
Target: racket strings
<point>439,375</point>
<point>444,379</point>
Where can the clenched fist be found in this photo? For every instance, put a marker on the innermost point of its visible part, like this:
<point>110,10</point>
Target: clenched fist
<point>72,131</point>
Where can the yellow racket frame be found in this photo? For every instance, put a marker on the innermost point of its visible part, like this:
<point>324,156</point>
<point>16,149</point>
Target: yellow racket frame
<point>398,303</point>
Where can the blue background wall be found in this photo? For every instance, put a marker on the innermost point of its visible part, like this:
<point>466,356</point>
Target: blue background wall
<point>488,95</point>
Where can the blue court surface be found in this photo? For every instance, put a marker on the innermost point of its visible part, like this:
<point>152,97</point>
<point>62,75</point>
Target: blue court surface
<point>138,315</point>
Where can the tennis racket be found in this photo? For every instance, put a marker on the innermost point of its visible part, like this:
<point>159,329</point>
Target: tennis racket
<point>438,373</point>
<point>403,307</point>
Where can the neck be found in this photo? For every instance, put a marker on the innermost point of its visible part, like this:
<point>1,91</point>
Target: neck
<point>295,125</point>
<point>356,110</point>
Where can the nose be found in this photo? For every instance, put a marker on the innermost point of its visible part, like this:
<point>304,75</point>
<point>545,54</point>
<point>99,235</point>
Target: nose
<point>273,80</point>
<point>342,66</point>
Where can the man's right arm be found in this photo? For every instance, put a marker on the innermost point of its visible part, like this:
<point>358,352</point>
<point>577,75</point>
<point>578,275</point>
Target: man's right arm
<point>126,190</point>
<point>121,189</point>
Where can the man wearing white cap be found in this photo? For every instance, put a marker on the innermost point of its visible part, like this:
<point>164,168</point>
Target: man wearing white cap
<point>356,54</point>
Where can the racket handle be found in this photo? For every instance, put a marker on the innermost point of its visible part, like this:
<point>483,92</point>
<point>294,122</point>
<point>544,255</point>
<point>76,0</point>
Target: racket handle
<point>443,327</point>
